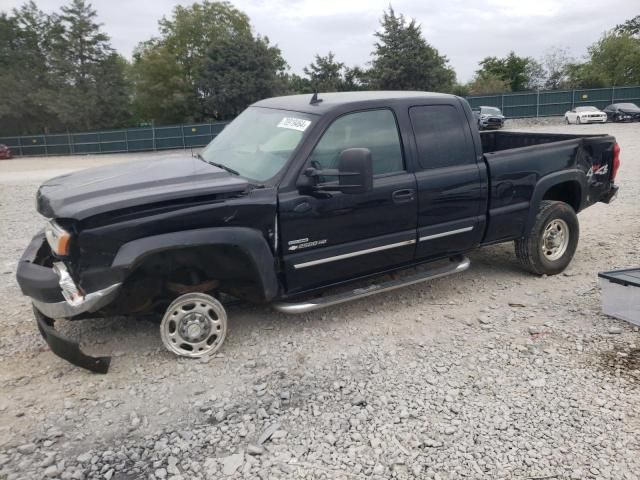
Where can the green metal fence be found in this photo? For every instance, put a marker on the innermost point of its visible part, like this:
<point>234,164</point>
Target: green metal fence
<point>115,141</point>
<point>545,103</point>
<point>541,103</point>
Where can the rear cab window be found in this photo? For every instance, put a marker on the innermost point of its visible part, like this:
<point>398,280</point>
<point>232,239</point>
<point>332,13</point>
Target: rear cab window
<point>440,136</point>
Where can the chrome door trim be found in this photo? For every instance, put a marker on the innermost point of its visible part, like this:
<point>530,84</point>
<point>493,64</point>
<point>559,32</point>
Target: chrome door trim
<point>446,234</point>
<point>352,254</point>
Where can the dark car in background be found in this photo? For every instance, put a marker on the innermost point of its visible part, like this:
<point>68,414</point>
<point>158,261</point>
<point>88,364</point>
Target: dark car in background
<point>5,152</point>
<point>623,112</point>
<point>489,117</point>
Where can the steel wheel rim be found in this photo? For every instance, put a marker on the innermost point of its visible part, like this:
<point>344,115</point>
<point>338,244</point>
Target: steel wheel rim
<point>194,326</point>
<point>555,239</point>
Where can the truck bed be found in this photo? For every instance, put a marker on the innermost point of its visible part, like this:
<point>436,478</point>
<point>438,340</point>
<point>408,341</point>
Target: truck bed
<point>498,141</point>
<point>518,161</point>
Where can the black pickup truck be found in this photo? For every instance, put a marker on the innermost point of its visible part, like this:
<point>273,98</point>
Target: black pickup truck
<point>299,194</point>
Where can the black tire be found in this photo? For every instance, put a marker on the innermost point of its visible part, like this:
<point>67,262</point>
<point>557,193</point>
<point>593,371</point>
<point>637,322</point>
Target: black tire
<point>530,250</point>
<point>566,120</point>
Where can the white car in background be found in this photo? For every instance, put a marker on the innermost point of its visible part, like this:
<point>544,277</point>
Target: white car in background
<point>585,115</point>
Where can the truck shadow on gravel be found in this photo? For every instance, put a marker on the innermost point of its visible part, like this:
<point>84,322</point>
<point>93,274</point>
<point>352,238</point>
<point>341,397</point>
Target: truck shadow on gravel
<point>256,325</point>
<point>623,363</point>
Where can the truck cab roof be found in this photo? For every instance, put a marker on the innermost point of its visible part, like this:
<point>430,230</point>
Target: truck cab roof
<point>338,100</point>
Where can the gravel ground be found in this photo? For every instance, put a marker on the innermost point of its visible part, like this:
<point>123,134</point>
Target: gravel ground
<point>494,373</point>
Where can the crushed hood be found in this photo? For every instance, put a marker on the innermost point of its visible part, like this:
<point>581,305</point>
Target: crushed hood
<point>82,194</point>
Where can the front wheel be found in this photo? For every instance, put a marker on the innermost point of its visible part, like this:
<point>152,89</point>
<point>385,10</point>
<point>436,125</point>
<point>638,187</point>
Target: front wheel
<point>550,245</point>
<point>194,325</point>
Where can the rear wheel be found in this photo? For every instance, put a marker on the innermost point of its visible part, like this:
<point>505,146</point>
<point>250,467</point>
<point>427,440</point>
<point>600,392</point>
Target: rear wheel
<point>550,245</point>
<point>194,325</point>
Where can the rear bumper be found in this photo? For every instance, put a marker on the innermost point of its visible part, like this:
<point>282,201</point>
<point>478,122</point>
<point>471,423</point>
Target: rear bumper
<point>611,196</point>
<point>41,284</point>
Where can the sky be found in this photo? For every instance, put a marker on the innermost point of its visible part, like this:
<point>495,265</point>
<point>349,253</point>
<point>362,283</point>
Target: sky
<point>465,31</point>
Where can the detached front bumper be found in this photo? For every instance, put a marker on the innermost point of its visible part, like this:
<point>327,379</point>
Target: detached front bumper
<point>68,349</point>
<point>42,285</point>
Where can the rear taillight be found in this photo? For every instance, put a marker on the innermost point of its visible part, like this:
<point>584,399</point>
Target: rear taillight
<point>616,161</point>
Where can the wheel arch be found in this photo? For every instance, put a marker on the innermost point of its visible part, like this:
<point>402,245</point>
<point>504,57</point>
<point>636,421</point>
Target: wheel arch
<point>243,254</point>
<point>566,186</point>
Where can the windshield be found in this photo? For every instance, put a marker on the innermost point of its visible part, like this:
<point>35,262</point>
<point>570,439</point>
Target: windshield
<point>258,143</point>
<point>490,111</point>
<point>628,105</point>
<point>587,109</point>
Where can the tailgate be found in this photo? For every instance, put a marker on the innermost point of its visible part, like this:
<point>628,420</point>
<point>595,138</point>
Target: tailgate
<point>600,157</point>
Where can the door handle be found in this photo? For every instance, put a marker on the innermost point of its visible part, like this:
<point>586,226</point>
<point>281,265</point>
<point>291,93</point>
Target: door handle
<point>302,207</point>
<point>402,196</point>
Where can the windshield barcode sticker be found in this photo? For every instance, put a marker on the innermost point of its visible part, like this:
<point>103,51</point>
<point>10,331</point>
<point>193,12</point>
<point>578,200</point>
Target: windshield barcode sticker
<point>294,123</point>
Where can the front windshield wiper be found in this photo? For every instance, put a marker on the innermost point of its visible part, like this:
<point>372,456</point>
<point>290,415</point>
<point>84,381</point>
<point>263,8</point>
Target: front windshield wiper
<point>219,165</point>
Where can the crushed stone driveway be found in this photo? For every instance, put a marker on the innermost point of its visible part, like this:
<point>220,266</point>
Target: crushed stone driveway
<point>494,373</point>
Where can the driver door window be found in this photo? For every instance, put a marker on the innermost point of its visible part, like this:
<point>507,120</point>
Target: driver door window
<point>372,129</point>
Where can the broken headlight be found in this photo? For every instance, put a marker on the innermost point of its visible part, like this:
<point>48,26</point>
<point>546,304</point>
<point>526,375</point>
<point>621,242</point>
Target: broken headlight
<point>57,238</point>
<point>70,291</point>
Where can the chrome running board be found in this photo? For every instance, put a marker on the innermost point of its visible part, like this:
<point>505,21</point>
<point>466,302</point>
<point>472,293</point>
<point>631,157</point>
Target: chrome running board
<point>459,264</point>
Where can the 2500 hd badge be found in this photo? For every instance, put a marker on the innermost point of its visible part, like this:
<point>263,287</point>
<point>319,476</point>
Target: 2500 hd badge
<point>299,195</point>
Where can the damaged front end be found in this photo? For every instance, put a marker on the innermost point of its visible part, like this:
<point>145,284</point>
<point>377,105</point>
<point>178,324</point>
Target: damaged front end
<point>55,295</point>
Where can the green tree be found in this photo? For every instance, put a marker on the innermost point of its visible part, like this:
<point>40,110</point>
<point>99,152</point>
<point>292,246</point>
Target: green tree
<point>403,60</point>
<point>162,93</point>
<point>325,73</point>
<point>536,75</point>
<point>356,78</point>
<point>515,70</point>
<point>615,59</point>
<point>297,84</point>
<point>178,55</point>
<point>113,92</point>
<point>488,83</point>
<point>581,75</point>
<point>92,90</point>
<point>461,90</point>
<point>630,27</point>
<point>59,72</point>
<point>25,76</point>
<point>237,71</point>
<point>556,63</point>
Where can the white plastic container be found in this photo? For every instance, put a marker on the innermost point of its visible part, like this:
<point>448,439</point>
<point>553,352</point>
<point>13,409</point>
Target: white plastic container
<point>620,290</point>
